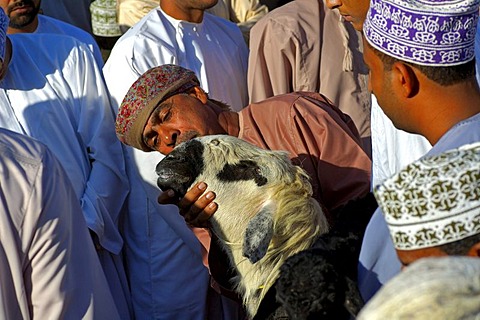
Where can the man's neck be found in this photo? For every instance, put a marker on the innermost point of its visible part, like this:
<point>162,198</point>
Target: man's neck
<point>229,121</point>
<point>174,11</point>
<point>459,103</point>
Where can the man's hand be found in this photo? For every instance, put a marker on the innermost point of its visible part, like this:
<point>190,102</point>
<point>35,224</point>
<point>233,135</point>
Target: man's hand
<point>195,206</point>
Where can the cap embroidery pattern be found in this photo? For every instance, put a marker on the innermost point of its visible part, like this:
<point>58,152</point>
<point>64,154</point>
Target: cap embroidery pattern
<point>163,81</point>
<point>432,33</point>
<point>433,201</point>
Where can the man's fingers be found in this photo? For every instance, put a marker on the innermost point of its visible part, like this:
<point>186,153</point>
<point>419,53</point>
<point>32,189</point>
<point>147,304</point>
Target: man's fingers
<point>167,197</point>
<point>192,195</point>
<point>191,212</point>
<point>202,218</point>
<point>195,206</point>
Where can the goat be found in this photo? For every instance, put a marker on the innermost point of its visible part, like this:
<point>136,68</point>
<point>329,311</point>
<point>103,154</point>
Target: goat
<point>321,282</point>
<point>265,213</point>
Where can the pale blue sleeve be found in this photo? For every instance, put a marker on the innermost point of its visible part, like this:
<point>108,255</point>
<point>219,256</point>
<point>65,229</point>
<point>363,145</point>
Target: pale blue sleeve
<point>107,185</point>
<point>378,260</point>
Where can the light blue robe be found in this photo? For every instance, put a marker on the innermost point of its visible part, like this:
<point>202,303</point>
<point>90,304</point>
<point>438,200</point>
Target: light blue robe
<point>378,259</point>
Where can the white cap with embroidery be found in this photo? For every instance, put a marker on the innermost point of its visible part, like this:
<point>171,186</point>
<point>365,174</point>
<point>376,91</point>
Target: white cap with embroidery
<point>433,201</point>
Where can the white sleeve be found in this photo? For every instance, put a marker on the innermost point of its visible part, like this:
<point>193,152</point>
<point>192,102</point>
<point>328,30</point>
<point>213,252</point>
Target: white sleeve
<point>63,274</point>
<point>107,185</point>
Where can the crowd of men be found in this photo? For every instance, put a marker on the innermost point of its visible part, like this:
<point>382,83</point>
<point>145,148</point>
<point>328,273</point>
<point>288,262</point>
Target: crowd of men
<point>366,95</point>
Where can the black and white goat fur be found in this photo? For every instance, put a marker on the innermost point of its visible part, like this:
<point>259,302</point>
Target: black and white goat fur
<point>265,214</point>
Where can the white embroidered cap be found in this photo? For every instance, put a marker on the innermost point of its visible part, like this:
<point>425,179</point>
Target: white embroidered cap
<point>433,201</point>
<point>430,288</point>
<point>423,32</point>
<point>3,33</point>
<point>104,18</point>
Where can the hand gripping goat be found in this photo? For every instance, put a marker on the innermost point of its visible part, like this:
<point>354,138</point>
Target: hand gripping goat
<point>265,209</point>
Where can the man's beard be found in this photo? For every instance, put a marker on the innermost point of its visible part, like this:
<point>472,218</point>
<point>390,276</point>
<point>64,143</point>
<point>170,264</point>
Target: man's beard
<point>22,20</point>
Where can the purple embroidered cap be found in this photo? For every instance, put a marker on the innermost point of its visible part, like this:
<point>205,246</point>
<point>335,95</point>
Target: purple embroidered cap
<point>423,32</point>
<point>145,94</point>
<point>3,33</point>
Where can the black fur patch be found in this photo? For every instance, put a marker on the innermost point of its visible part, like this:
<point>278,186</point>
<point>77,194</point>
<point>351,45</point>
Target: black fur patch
<point>181,167</point>
<point>258,235</point>
<point>243,170</point>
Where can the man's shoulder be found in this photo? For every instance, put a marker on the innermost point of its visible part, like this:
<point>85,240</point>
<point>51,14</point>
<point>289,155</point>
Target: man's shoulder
<point>223,26</point>
<point>298,98</point>
<point>293,15</point>
<point>21,148</point>
<point>464,132</point>
<point>150,31</point>
<point>44,41</point>
<point>52,25</point>
<point>209,18</point>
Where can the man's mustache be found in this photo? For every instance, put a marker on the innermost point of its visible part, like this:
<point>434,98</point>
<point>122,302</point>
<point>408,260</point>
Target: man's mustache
<point>21,4</point>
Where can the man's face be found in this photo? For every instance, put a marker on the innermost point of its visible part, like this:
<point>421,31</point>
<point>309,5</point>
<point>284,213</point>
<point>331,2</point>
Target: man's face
<point>380,84</point>
<point>354,11</point>
<point>407,257</point>
<point>21,12</point>
<point>179,119</point>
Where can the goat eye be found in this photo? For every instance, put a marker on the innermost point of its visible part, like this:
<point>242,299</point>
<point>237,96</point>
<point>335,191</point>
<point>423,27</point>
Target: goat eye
<point>215,142</point>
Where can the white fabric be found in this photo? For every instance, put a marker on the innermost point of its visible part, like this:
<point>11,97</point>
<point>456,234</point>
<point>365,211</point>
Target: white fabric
<point>213,49</point>
<point>431,288</point>
<point>378,258</point>
<point>48,265</point>
<point>59,97</point>
<point>245,13</point>
<point>164,264</point>
<point>392,149</point>
<point>163,255</point>
<point>51,25</point>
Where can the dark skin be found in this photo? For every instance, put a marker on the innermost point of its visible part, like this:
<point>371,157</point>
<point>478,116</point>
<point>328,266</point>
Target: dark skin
<point>417,104</point>
<point>22,14</point>
<point>180,118</point>
<point>407,257</point>
<point>187,10</point>
<point>353,11</point>
<point>195,206</point>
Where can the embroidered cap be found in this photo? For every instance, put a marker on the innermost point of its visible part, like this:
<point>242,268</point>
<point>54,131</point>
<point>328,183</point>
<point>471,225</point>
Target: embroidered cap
<point>423,32</point>
<point>433,201</point>
<point>154,86</point>
<point>104,18</point>
<point>434,288</point>
<point>3,33</point>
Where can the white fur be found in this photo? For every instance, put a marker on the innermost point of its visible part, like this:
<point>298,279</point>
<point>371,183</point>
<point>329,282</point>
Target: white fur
<point>297,218</point>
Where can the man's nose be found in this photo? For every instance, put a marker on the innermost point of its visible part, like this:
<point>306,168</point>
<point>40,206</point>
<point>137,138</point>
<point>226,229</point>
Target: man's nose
<point>333,4</point>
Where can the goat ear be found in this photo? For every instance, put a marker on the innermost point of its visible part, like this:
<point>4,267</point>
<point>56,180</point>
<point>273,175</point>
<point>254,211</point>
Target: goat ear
<point>258,234</point>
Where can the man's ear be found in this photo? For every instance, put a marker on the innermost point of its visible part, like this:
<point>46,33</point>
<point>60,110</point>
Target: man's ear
<point>474,250</point>
<point>405,79</point>
<point>200,94</point>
